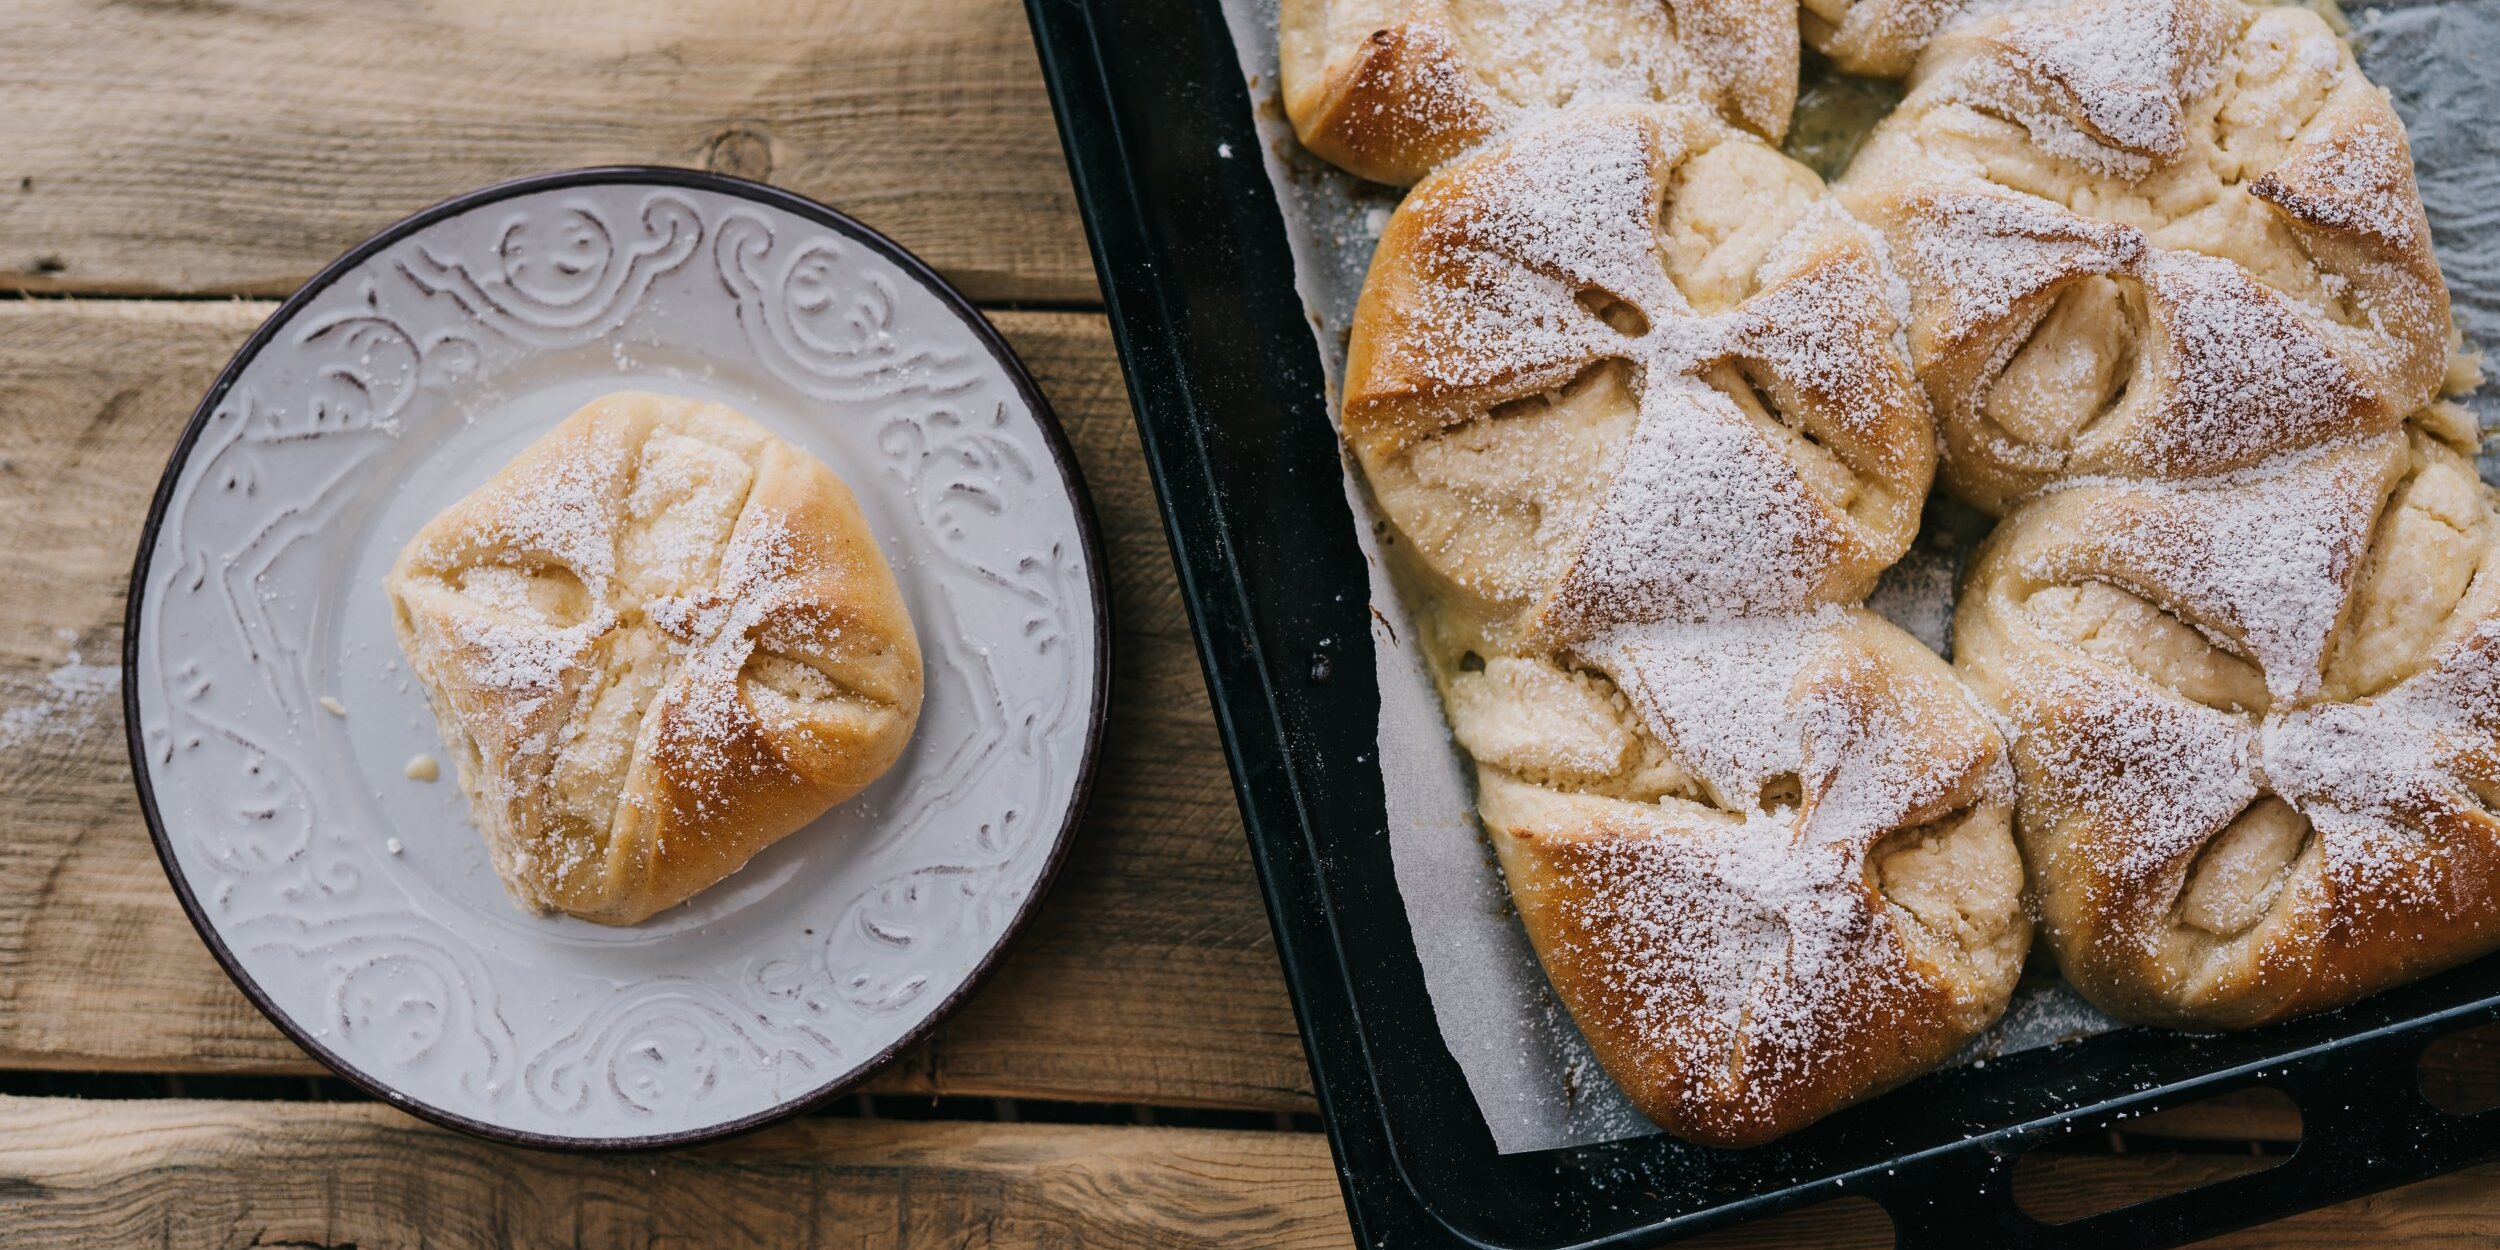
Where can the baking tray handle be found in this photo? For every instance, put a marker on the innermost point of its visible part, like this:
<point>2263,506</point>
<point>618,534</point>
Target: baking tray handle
<point>2365,1125</point>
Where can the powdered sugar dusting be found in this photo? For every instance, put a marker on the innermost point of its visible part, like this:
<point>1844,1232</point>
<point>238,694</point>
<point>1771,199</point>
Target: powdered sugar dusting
<point>1530,228</point>
<point>2175,118</point>
<point>2246,375</point>
<point>73,699</point>
<point>2138,780</point>
<point>2238,371</point>
<point>1521,252</point>
<point>1736,942</point>
<point>2153,775</point>
<point>566,520</point>
<point>1720,693</point>
<point>2105,85</point>
<point>1732,962</point>
<point>1811,321</point>
<point>526,654</point>
<point>1700,582</point>
<point>703,711</point>
<point>2359,179</point>
<point>1702,519</point>
<point>1979,255</point>
<point>2393,760</point>
<point>585,624</point>
<point>2157,777</point>
<point>1452,74</point>
<point>1430,90</point>
<point>1536,55</point>
<point>2266,556</point>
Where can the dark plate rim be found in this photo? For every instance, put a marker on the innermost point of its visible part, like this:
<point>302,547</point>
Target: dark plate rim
<point>1063,458</point>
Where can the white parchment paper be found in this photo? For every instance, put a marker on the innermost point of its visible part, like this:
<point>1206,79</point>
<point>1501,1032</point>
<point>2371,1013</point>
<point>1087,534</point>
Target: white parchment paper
<point>1530,1071</point>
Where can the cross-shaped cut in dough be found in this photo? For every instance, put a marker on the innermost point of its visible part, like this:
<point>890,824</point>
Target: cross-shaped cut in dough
<point>2153,238</point>
<point>1634,367</point>
<point>2256,719</point>
<point>658,641</point>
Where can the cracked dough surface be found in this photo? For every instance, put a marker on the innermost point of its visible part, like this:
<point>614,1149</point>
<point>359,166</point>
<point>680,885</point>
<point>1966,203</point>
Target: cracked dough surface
<point>658,641</point>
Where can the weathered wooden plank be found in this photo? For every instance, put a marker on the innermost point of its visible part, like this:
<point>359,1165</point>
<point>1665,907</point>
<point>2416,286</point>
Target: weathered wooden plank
<point>2445,1213</point>
<point>1149,976</point>
<point>187,1174</point>
<point>2452,1212</point>
<point>2061,1188</point>
<point>2461,1072</point>
<point>2242,1115</point>
<point>234,147</point>
<point>178,1172</point>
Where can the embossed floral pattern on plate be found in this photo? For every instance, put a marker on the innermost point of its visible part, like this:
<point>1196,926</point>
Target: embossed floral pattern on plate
<point>356,905</point>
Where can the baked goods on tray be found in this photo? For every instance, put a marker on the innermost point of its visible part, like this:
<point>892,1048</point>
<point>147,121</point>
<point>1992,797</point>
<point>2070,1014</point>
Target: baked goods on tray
<point>1625,385</point>
<point>2152,238</point>
<point>1391,88</point>
<point>1883,38</point>
<point>658,641</point>
<point>2257,720</point>
<point>2175,304</point>
<point>1647,412</point>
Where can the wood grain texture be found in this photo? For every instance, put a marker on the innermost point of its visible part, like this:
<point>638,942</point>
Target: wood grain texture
<point>2461,1072</point>
<point>2267,1115</point>
<point>1149,976</point>
<point>180,1173</point>
<point>235,146</point>
<point>2453,1212</point>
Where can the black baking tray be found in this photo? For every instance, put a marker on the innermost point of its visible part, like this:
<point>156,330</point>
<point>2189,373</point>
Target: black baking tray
<point>1225,378</point>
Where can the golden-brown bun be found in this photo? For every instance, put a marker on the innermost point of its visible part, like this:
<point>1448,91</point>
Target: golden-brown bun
<point>1626,389</point>
<point>2152,238</point>
<point>2256,720</point>
<point>658,641</point>
<point>1584,401</point>
<point>1768,864</point>
<point>1877,38</point>
<point>1390,89</point>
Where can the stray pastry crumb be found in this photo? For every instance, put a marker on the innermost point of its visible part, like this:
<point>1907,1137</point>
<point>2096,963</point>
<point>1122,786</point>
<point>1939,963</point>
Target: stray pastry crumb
<point>423,768</point>
<point>333,706</point>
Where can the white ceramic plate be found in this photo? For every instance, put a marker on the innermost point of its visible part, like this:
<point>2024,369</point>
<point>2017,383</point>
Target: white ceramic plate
<point>355,906</point>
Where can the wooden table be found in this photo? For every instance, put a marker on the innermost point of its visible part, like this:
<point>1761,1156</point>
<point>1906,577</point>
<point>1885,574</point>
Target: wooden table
<point>1130,1078</point>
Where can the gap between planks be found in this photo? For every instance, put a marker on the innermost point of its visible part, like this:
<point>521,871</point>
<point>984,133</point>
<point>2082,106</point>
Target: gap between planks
<point>178,1172</point>
<point>1148,977</point>
<point>238,147</point>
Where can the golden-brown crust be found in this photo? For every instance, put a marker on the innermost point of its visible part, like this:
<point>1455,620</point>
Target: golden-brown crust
<point>1746,51</point>
<point>1742,974</point>
<point>2148,195</point>
<point>2174,299</point>
<point>1875,38</point>
<point>1391,89</point>
<point>1626,387</point>
<point>1389,109</point>
<point>660,640</point>
<point>2147,776</point>
<point>1519,271</point>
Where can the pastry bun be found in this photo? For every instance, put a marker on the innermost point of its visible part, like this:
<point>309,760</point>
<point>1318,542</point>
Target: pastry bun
<point>656,642</point>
